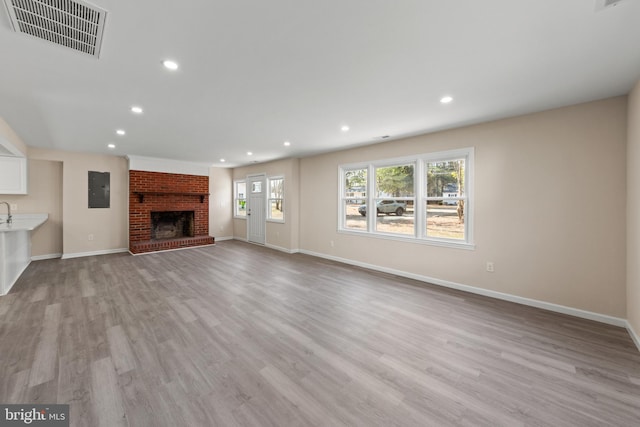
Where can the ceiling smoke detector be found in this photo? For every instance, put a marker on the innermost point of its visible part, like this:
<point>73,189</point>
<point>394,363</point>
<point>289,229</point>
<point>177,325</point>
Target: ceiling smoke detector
<point>71,23</point>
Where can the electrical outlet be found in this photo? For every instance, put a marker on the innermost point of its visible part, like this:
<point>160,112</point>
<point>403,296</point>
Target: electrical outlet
<point>14,207</point>
<point>490,267</point>
<point>90,237</point>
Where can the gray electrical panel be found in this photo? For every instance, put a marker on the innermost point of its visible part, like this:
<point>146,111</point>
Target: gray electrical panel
<point>99,189</point>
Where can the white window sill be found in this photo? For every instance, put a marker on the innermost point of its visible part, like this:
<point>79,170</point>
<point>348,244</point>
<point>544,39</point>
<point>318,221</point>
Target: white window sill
<point>445,243</point>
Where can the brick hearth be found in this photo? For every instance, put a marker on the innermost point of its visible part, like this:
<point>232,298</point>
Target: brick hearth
<point>157,192</point>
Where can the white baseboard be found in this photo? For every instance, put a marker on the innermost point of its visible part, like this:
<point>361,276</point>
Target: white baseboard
<point>634,336</point>
<point>270,246</point>
<point>103,252</point>
<point>281,249</point>
<point>222,239</point>
<point>47,256</point>
<point>602,318</point>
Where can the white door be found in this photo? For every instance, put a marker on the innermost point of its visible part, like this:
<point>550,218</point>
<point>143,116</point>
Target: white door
<point>256,203</point>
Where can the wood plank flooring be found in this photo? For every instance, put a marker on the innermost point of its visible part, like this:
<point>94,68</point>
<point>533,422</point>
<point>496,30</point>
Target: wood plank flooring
<point>240,335</point>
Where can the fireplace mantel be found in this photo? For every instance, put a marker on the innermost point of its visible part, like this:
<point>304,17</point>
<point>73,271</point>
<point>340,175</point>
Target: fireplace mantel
<point>141,194</point>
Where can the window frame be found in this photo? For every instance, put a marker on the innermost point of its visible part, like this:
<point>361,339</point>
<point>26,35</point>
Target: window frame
<point>342,194</point>
<point>236,198</point>
<point>270,199</point>
<point>419,198</point>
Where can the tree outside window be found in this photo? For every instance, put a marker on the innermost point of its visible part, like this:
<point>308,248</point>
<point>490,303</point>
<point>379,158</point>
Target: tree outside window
<point>395,199</point>
<point>427,198</point>
<point>276,198</point>
<point>240,199</point>
<point>445,202</point>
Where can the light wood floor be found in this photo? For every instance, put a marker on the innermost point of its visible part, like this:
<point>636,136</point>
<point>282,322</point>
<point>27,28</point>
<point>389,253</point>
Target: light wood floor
<point>236,334</point>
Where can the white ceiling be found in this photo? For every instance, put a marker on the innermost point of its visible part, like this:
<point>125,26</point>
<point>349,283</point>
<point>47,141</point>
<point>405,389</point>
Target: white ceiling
<point>256,73</point>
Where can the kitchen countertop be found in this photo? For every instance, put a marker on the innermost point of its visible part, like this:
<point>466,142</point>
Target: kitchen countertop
<point>22,222</point>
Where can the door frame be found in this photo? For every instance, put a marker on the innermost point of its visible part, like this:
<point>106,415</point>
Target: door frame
<point>250,179</point>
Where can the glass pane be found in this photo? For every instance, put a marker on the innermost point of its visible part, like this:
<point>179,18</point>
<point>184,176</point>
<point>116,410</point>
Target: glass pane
<point>241,207</point>
<point>394,181</point>
<point>355,183</point>
<point>445,220</point>
<point>355,214</point>
<point>395,216</point>
<point>276,210</point>
<point>276,188</point>
<point>256,187</point>
<point>445,179</point>
<point>241,190</point>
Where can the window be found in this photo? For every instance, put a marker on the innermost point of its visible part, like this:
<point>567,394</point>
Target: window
<point>276,199</point>
<point>426,198</point>
<point>395,196</point>
<point>353,199</point>
<point>445,199</point>
<point>240,197</point>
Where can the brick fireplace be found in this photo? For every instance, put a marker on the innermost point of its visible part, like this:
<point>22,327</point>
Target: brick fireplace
<point>167,211</point>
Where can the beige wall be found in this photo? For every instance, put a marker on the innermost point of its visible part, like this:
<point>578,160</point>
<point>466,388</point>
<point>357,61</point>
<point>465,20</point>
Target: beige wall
<point>45,196</point>
<point>221,203</point>
<point>281,235</point>
<point>633,210</point>
<point>550,192</point>
<point>109,227</point>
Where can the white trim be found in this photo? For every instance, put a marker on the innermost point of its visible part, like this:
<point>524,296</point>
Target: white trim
<point>275,221</point>
<point>94,253</point>
<point>634,336</point>
<point>602,318</point>
<point>222,239</point>
<point>171,250</point>
<point>47,256</point>
<point>242,239</point>
<point>281,249</point>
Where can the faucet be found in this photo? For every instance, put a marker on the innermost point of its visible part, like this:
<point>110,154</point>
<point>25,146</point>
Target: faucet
<point>8,211</point>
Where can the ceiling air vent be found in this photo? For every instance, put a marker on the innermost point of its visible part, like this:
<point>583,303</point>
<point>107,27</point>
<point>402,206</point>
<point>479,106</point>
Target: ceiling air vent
<point>74,24</point>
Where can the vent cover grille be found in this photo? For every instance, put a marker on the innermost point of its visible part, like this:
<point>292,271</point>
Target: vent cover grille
<point>74,24</point>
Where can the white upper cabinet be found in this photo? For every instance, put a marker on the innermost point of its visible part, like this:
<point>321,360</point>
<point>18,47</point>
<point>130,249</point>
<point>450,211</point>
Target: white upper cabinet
<point>13,175</point>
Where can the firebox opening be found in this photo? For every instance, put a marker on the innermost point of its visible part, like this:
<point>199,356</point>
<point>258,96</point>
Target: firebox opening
<point>172,225</point>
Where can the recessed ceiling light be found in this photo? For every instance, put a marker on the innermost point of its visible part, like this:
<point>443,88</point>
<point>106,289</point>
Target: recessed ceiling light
<point>111,146</point>
<point>222,160</point>
<point>120,132</point>
<point>136,109</point>
<point>170,65</point>
<point>249,153</point>
<point>344,128</point>
<point>287,143</point>
<point>446,99</point>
